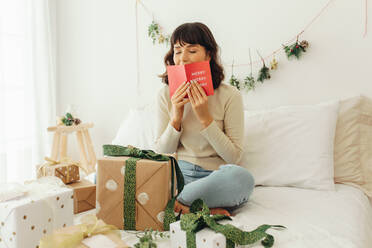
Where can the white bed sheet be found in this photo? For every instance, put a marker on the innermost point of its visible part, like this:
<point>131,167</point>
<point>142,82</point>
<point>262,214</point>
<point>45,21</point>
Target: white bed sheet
<point>329,219</point>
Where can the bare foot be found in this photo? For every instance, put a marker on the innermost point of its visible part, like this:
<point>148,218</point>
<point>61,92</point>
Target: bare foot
<point>178,207</point>
<point>185,209</point>
<point>220,211</point>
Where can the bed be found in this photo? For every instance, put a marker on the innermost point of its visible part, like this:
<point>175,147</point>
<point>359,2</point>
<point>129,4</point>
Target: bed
<point>313,171</point>
<point>335,219</point>
<point>314,218</point>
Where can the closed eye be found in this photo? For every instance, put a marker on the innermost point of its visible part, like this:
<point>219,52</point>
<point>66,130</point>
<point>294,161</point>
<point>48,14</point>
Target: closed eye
<point>189,51</point>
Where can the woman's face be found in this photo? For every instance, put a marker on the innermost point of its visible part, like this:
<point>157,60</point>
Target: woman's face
<point>189,53</point>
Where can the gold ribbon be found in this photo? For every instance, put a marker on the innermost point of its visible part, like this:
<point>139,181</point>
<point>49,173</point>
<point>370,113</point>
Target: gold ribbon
<point>64,160</point>
<point>72,236</point>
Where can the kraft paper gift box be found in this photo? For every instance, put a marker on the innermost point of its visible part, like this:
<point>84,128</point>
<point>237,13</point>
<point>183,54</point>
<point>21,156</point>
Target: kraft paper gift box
<point>84,195</point>
<point>66,169</point>
<point>91,233</point>
<point>42,206</point>
<point>153,191</point>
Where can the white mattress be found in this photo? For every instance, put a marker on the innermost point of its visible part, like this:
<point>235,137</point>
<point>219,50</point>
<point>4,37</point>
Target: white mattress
<point>337,219</point>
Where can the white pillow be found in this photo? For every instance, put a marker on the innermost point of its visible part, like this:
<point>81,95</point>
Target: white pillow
<point>291,145</point>
<point>137,129</point>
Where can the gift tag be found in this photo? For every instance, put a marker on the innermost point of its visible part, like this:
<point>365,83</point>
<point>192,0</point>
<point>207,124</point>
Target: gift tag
<point>99,241</point>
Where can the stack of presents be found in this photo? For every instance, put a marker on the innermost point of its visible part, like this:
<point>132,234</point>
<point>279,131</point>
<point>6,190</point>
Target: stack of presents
<point>135,190</point>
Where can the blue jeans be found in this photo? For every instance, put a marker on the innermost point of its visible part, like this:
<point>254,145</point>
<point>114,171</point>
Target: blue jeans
<point>229,187</point>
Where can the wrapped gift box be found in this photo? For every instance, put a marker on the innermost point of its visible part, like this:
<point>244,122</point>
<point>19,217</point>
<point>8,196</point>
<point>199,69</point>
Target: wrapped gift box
<point>84,195</point>
<point>72,234</point>
<point>24,220</point>
<point>67,170</point>
<point>153,191</point>
<point>204,238</point>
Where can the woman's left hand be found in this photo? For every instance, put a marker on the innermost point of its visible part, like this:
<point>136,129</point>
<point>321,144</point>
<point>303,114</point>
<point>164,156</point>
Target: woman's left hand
<point>199,103</point>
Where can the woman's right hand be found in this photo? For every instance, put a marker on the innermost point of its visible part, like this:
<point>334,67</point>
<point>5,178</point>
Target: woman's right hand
<point>178,103</point>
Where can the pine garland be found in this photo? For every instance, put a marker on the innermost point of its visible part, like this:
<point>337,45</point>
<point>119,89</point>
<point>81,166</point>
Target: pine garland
<point>294,50</point>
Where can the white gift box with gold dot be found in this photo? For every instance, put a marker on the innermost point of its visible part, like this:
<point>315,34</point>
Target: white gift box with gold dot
<point>26,219</point>
<point>204,238</point>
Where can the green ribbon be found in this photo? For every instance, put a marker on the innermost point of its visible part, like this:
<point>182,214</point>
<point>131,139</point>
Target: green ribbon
<point>130,182</point>
<point>130,194</point>
<point>199,218</point>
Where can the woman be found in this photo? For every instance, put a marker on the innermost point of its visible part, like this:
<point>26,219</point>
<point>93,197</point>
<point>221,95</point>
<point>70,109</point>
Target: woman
<point>206,132</point>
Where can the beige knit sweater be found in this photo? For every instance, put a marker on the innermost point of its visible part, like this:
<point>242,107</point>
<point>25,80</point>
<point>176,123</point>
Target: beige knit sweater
<point>219,143</point>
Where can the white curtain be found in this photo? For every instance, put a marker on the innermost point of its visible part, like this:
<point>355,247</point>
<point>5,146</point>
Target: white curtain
<point>27,87</point>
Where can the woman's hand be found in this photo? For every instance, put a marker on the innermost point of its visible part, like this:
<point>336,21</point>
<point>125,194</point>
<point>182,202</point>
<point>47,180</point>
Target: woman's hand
<point>199,103</point>
<point>178,103</point>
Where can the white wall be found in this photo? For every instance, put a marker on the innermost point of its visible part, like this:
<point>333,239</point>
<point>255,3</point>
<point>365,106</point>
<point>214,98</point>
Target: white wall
<point>97,52</point>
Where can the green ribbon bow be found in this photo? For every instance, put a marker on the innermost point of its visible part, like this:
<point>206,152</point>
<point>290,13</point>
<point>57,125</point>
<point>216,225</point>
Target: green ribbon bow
<point>130,181</point>
<point>199,218</point>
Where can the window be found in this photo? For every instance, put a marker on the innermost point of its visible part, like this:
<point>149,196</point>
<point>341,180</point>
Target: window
<point>16,91</point>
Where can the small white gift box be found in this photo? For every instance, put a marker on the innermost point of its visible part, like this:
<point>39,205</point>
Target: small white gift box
<point>204,238</point>
<point>34,211</point>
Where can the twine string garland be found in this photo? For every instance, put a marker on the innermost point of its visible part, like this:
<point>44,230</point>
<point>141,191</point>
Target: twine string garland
<point>251,63</point>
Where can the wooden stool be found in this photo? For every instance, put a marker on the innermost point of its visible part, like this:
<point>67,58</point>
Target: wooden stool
<point>59,148</point>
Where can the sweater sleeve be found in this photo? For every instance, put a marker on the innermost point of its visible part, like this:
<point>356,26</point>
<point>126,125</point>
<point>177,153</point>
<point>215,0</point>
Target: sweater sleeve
<point>228,144</point>
<point>167,137</point>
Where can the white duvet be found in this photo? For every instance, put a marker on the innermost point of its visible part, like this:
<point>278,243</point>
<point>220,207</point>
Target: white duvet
<point>314,219</point>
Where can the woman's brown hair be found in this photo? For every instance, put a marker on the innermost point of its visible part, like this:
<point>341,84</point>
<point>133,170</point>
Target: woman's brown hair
<point>196,33</point>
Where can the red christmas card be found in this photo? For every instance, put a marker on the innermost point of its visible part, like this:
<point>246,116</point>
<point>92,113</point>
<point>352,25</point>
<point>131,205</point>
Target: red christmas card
<point>199,71</point>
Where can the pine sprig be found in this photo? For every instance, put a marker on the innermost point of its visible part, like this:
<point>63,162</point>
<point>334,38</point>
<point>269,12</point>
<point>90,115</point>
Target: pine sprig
<point>249,83</point>
<point>69,120</point>
<point>294,50</point>
<point>263,74</point>
<point>155,33</point>
<point>234,82</point>
<point>148,237</point>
